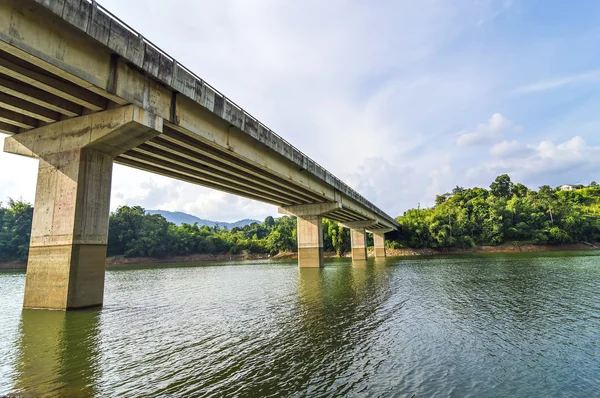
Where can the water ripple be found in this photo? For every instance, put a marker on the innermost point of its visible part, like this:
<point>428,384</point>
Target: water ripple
<point>508,325</point>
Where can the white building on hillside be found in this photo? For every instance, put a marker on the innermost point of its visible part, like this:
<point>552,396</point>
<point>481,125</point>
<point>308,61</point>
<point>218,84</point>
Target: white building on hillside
<point>571,187</point>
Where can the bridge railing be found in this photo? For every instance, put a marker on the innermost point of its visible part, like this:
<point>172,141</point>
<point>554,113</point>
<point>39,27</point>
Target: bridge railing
<point>321,170</point>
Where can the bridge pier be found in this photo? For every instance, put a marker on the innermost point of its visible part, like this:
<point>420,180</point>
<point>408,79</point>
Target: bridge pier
<point>69,234</point>
<point>379,241</point>
<point>358,238</point>
<point>358,242</point>
<point>310,231</point>
<point>379,244</point>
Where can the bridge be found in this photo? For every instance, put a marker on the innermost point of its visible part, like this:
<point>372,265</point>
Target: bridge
<point>81,90</point>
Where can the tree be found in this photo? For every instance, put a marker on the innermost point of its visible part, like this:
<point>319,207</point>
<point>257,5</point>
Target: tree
<point>15,230</point>
<point>269,222</point>
<point>502,186</point>
<point>593,184</point>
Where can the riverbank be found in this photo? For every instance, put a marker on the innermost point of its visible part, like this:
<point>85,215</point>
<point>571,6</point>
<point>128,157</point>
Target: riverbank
<point>120,261</point>
<point>506,248</point>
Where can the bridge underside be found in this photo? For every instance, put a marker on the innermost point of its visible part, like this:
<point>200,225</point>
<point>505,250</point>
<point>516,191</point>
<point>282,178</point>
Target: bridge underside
<point>32,97</point>
<point>79,102</point>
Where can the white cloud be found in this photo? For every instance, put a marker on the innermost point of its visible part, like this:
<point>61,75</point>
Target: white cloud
<point>544,163</point>
<point>486,132</point>
<point>510,149</point>
<point>554,83</point>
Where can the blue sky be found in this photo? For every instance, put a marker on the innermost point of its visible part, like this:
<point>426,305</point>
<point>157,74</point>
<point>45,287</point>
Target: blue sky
<point>401,99</point>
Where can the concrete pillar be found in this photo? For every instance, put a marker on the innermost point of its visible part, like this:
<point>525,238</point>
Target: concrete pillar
<point>69,233</point>
<point>310,242</point>
<point>358,239</point>
<point>379,243</point>
<point>310,231</point>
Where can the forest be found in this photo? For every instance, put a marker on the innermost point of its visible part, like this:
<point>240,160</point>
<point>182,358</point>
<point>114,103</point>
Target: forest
<point>504,213</point>
<point>466,217</point>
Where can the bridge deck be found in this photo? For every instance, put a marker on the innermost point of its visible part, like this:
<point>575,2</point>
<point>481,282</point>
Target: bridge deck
<point>62,59</point>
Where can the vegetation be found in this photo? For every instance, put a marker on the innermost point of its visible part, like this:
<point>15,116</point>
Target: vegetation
<point>134,233</point>
<point>15,230</point>
<point>506,212</point>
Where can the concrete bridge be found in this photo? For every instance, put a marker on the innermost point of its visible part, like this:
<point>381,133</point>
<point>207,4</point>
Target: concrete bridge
<point>79,90</point>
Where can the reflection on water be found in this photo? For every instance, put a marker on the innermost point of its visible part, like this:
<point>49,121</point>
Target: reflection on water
<point>500,325</point>
<point>57,354</point>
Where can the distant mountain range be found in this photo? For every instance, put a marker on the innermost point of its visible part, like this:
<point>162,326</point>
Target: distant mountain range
<point>177,217</point>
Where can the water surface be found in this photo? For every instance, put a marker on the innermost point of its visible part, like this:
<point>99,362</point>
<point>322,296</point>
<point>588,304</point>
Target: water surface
<point>489,325</point>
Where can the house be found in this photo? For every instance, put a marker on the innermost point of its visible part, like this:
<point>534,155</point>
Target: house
<point>571,187</point>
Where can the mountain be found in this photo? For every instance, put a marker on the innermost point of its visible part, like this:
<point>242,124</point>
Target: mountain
<point>177,217</point>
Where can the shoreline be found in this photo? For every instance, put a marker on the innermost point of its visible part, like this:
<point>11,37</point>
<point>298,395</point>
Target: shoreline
<point>120,261</point>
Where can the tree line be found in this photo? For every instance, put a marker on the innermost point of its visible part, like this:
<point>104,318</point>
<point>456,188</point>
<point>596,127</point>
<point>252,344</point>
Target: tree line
<point>506,212</point>
<point>135,233</point>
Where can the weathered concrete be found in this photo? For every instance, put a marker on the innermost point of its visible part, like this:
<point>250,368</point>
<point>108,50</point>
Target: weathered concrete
<point>379,240</point>
<point>100,63</point>
<point>70,222</point>
<point>310,242</point>
<point>379,243</point>
<point>313,209</point>
<point>310,231</point>
<point>358,239</point>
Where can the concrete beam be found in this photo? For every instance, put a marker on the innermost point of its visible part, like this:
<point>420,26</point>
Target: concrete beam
<point>9,129</point>
<point>167,172</point>
<point>18,119</point>
<point>358,224</point>
<point>380,230</point>
<point>39,97</point>
<point>69,92</point>
<point>191,170</point>
<point>27,108</point>
<point>313,209</point>
<point>215,166</point>
<point>111,132</point>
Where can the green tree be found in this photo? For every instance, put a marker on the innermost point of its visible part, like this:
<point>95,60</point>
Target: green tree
<point>502,186</point>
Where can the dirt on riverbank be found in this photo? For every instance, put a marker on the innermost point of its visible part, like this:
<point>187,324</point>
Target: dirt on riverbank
<point>120,261</point>
<point>506,248</point>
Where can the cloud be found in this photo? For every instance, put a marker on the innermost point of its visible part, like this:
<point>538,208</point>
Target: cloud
<point>486,132</point>
<point>505,149</point>
<point>544,163</point>
<point>551,84</point>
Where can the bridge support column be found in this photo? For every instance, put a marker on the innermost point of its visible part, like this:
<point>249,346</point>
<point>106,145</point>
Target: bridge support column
<point>310,242</point>
<point>67,254</point>
<point>310,231</point>
<point>379,243</point>
<point>358,240</point>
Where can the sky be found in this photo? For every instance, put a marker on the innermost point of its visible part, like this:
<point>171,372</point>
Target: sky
<point>400,99</point>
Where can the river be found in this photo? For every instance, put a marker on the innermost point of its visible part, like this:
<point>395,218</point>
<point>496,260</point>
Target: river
<point>519,325</point>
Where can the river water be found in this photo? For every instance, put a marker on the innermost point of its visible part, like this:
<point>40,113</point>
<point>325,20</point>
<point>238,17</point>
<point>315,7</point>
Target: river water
<point>523,325</point>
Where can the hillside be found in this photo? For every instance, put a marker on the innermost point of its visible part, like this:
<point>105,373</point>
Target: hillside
<point>178,218</point>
